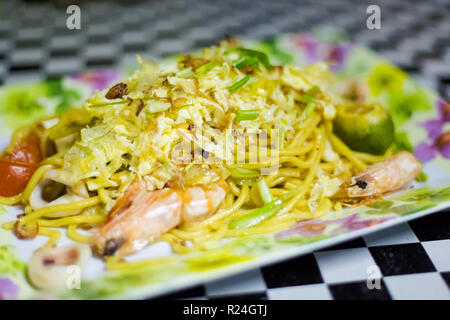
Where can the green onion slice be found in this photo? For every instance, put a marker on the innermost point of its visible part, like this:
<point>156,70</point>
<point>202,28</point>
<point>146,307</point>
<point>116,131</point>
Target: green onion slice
<point>309,109</point>
<point>251,57</point>
<point>264,191</point>
<point>207,67</point>
<point>244,173</point>
<point>257,216</point>
<point>247,115</point>
<point>239,84</point>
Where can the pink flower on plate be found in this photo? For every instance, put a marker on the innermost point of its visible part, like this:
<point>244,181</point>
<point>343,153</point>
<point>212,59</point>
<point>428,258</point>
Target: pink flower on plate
<point>8,289</point>
<point>309,45</point>
<point>316,50</point>
<point>336,55</point>
<point>98,79</point>
<point>440,140</point>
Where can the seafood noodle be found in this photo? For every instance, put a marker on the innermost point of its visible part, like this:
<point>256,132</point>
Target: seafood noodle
<point>217,144</point>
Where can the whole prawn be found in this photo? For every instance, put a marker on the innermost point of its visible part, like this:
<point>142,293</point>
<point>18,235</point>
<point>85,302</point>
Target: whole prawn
<point>386,176</point>
<point>139,217</point>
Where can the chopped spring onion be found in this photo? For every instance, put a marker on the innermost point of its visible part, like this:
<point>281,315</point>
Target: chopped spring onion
<point>251,57</point>
<point>185,73</point>
<point>310,94</point>
<point>247,115</point>
<point>246,61</point>
<point>257,216</point>
<point>264,191</point>
<point>244,173</point>
<point>207,67</point>
<point>309,109</point>
<point>239,84</point>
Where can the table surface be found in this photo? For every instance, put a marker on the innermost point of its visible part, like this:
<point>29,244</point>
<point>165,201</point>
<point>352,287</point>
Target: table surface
<point>414,257</point>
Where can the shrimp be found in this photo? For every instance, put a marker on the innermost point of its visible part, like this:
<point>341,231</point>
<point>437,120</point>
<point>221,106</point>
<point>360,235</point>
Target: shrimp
<point>139,217</point>
<point>389,175</point>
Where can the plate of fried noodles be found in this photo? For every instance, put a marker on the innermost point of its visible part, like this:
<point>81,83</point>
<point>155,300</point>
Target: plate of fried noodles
<point>137,182</point>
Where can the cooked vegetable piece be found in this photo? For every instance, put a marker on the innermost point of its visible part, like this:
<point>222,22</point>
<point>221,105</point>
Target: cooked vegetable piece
<point>365,128</point>
<point>264,191</point>
<point>257,216</point>
<point>205,68</point>
<point>247,115</point>
<point>250,58</point>
<point>309,109</point>
<point>239,84</point>
<point>17,166</point>
<point>244,173</point>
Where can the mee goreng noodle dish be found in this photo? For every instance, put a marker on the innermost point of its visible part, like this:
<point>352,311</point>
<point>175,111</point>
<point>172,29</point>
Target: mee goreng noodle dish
<point>217,144</point>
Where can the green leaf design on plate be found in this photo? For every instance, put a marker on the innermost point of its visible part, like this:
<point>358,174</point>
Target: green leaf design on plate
<point>436,195</point>
<point>214,259</point>
<point>409,208</point>
<point>385,77</point>
<point>301,240</point>
<point>9,264</point>
<point>67,96</point>
<point>272,48</point>
<point>382,205</point>
<point>23,104</point>
<point>402,105</point>
<point>119,282</point>
<point>401,142</point>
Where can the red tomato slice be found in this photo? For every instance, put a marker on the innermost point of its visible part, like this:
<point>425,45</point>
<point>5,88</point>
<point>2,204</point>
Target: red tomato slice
<point>28,151</point>
<point>14,177</point>
<point>17,167</point>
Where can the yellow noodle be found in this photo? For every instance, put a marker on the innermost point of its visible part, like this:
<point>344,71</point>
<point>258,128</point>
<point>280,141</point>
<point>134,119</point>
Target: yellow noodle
<point>370,158</point>
<point>37,175</point>
<point>54,236</point>
<point>302,135</point>
<point>10,201</point>
<point>297,151</point>
<point>73,234</point>
<point>78,219</point>
<point>89,202</point>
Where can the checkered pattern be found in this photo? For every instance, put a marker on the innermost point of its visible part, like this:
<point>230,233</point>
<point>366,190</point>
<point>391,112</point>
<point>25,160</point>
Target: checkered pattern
<point>35,43</point>
<point>413,258</point>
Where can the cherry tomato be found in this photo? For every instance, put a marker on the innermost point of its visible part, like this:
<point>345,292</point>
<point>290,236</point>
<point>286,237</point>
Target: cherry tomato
<point>17,167</point>
<point>28,151</point>
<point>14,177</point>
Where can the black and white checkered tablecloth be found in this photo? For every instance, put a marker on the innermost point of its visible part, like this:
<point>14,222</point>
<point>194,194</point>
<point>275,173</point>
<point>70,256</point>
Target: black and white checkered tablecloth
<point>414,257</point>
